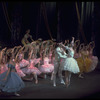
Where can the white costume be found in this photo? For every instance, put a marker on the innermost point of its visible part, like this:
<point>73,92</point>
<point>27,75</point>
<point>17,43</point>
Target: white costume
<point>59,54</point>
<point>70,63</point>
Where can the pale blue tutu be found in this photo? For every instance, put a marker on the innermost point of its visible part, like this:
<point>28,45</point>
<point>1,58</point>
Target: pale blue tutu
<point>13,83</point>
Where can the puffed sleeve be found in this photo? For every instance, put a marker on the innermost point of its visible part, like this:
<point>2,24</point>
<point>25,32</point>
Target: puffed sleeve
<point>66,47</point>
<point>9,65</point>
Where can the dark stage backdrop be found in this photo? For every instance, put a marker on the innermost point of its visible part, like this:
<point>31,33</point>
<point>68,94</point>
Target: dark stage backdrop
<point>17,17</point>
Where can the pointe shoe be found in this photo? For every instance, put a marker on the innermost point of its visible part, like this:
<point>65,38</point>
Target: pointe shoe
<point>54,85</point>
<point>36,82</point>
<point>51,78</point>
<point>81,76</point>
<point>62,82</point>
<point>45,76</point>
<point>16,94</point>
<point>67,84</point>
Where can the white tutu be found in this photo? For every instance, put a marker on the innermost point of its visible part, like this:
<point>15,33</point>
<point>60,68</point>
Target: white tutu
<point>71,65</point>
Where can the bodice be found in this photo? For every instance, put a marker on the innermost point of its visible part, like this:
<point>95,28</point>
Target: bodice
<point>11,66</point>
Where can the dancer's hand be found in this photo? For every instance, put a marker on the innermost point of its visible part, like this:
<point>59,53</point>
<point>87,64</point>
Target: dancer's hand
<point>73,38</point>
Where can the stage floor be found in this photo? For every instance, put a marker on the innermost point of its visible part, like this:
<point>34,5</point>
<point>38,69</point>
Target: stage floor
<point>88,87</point>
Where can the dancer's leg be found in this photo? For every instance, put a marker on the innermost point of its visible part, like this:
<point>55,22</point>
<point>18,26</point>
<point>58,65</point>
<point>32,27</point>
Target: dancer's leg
<point>52,76</point>
<point>60,74</point>
<point>67,77</point>
<point>55,72</point>
<point>35,76</point>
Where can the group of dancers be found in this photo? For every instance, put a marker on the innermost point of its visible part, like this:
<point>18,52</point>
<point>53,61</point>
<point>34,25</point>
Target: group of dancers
<point>40,58</point>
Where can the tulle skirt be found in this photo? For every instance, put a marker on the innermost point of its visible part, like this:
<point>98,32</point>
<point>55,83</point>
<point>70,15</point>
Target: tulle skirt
<point>20,73</point>
<point>88,63</point>
<point>71,65</point>
<point>81,64</point>
<point>31,69</point>
<point>47,68</point>
<point>94,62</point>
<point>13,83</point>
<point>3,69</point>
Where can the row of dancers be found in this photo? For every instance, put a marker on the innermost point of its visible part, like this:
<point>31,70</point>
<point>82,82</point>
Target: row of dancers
<point>71,59</point>
<point>39,58</point>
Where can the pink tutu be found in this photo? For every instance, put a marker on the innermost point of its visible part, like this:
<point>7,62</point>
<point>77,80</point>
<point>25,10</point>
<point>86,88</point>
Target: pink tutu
<point>29,69</point>
<point>32,69</point>
<point>19,67</point>
<point>35,61</point>
<point>94,62</point>
<point>47,68</point>
<point>19,71</point>
<point>24,63</point>
<point>3,69</point>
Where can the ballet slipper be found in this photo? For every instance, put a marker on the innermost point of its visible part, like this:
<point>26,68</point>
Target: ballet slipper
<point>67,83</point>
<point>80,76</point>
<point>62,82</point>
<point>36,82</point>
<point>16,94</point>
<point>54,85</point>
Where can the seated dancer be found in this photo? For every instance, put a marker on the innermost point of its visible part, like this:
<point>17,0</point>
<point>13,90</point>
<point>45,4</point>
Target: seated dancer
<point>45,67</point>
<point>24,40</point>
<point>24,63</point>
<point>32,62</point>
<point>10,81</point>
<point>23,67</point>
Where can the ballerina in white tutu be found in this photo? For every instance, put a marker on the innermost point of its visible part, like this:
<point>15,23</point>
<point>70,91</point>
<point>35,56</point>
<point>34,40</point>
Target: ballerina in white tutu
<point>70,65</point>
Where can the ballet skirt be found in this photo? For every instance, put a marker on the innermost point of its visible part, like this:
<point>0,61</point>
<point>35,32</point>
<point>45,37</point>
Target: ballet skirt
<point>88,63</point>
<point>32,67</point>
<point>46,67</point>
<point>94,62</point>
<point>13,83</point>
<point>70,64</point>
<point>19,71</point>
<point>81,65</point>
<point>3,68</point>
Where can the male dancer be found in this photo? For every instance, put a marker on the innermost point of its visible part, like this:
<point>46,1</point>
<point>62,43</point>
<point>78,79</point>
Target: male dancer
<point>59,54</point>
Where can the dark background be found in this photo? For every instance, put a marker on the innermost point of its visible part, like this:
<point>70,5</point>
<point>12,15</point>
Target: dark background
<point>29,15</point>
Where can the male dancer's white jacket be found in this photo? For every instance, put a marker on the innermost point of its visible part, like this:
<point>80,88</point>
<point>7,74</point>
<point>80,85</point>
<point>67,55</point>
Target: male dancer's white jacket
<point>59,54</point>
